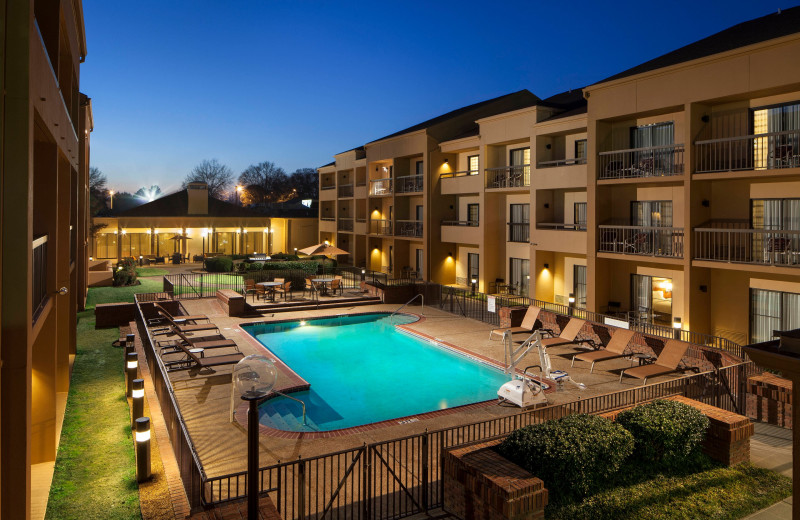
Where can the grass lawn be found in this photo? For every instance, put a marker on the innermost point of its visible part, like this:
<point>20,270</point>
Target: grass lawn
<point>95,467</point>
<point>122,294</point>
<point>710,491</point>
<point>150,271</point>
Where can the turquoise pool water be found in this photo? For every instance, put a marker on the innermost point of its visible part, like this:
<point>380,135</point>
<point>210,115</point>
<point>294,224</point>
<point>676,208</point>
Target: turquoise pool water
<point>362,370</point>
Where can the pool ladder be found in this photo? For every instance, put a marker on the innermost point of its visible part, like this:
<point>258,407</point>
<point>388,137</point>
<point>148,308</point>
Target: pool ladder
<point>406,303</point>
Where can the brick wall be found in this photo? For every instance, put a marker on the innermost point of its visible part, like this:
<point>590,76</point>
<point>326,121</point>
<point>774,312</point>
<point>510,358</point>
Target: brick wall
<point>231,301</point>
<point>479,483</point>
<point>769,399</point>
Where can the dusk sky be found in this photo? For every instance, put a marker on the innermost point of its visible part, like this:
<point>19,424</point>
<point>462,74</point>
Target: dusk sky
<point>176,82</point>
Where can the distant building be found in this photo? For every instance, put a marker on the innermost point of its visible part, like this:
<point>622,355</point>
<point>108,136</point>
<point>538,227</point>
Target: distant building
<point>210,225</point>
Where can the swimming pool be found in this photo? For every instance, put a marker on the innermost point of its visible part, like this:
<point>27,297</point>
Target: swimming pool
<point>363,370</point>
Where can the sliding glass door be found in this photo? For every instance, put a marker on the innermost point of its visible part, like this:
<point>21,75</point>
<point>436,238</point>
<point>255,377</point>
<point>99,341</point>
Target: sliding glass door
<point>519,274</point>
<point>772,311</point>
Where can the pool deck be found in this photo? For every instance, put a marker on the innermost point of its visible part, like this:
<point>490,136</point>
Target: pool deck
<point>204,397</point>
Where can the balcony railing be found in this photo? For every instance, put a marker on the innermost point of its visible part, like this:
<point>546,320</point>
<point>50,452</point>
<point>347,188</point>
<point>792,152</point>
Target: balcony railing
<point>327,219</point>
<point>39,276</point>
<point>380,227</point>
<point>653,161</point>
<point>509,176</point>
<point>578,226</point>
<point>770,151</point>
<point>378,187</point>
<point>467,223</point>
<point>408,228</point>
<point>344,224</point>
<point>361,219</point>
<point>561,162</point>
<point>408,184</point>
<point>327,187</point>
<point>465,173</point>
<point>642,240</point>
<point>519,232</point>
<point>345,190</point>
<point>748,246</point>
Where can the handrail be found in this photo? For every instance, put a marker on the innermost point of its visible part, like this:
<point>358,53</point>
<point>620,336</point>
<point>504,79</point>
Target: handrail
<point>643,149</point>
<point>406,303</point>
<point>295,399</point>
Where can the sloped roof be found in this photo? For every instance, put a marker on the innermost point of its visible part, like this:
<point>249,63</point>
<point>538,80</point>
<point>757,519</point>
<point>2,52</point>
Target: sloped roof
<point>771,26</point>
<point>177,205</point>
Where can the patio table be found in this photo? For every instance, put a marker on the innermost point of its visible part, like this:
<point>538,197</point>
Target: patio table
<point>269,286</point>
<point>323,283</point>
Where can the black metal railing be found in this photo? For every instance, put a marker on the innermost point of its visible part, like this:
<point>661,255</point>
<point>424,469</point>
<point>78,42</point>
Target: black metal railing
<point>562,226</point>
<point>748,246</point>
<point>509,176</point>
<point>345,190</point>
<point>767,151</point>
<point>379,187</point>
<point>345,224</point>
<point>467,223</point>
<point>408,184</point>
<point>642,240</point>
<point>39,294</point>
<point>380,226</point>
<point>519,232</point>
<point>653,161</point>
<point>328,187</point>
<point>561,162</point>
<point>408,228</point>
<point>465,173</point>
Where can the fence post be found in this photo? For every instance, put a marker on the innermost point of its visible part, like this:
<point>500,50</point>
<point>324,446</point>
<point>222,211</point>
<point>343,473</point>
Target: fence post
<point>367,492</point>
<point>301,488</point>
<point>425,470</point>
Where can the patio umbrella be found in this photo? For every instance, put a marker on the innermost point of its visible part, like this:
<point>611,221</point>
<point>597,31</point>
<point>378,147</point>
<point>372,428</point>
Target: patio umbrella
<point>323,249</point>
<point>180,237</point>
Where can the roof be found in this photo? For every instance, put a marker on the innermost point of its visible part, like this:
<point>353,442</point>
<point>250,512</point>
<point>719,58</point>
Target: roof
<point>177,205</point>
<point>565,100</point>
<point>332,163</point>
<point>360,152</point>
<point>514,101</point>
<point>561,115</point>
<point>771,26</point>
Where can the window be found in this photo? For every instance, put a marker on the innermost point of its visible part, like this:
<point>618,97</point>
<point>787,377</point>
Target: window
<point>651,299</point>
<point>473,267</point>
<point>472,165</point>
<point>420,264</point>
<point>135,244</point>
<point>579,285</point>
<point>418,168</point>
<point>105,246</point>
<point>473,214</point>
<point>651,213</point>
<point>519,225</point>
<point>252,242</point>
<point>659,134</point>
<point>580,149</point>
<point>771,311</point>
<point>520,157</point>
<point>776,151</point>
<point>519,274</point>
<point>580,215</point>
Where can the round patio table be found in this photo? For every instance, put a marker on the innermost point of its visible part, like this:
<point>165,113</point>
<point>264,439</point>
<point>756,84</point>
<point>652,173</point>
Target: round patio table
<point>267,286</point>
<point>323,282</point>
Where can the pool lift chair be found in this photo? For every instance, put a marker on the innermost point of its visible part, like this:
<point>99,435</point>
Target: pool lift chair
<point>523,390</point>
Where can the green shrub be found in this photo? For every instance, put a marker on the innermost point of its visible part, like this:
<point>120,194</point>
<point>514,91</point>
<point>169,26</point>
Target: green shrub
<point>241,267</point>
<point>664,432</point>
<point>219,264</point>
<point>124,275</point>
<point>284,256</point>
<point>574,455</point>
<point>256,266</point>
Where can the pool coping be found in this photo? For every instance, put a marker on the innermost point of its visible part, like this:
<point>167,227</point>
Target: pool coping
<point>301,384</point>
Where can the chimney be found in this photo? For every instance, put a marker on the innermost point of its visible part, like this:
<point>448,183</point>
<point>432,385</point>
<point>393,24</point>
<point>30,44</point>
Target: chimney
<point>198,198</point>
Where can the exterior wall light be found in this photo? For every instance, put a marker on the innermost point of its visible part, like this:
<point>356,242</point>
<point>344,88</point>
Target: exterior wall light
<point>547,266</point>
<point>142,437</point>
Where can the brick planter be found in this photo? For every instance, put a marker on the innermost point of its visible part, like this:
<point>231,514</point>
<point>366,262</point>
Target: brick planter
<point>769,399</point>
<point>479,483</point>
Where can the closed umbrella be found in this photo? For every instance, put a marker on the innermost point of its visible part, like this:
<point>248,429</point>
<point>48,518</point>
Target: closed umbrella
<point>323,249</point>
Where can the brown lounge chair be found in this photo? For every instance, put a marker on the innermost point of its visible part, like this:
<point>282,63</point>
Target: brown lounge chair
<point>615,349</point>
<point>528,323</point>
<point>666,363</point>
<point>192,359</point>
<point>568,335</point>
<point>181,319</point>
<point>205,343</point>
<point>175,326</point>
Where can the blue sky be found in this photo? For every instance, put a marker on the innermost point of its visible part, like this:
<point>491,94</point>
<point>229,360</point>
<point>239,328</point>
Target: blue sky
<point>174,82</point>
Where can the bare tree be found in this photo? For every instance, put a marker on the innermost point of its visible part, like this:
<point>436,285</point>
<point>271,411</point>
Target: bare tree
<point>306,182</point>
<point>97,190</point>
<point>218,177</point>
<point>268,177</point>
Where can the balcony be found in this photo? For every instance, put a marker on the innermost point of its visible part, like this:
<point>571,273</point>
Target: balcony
<point>456,183</point>
<point>519,232</point>
<point>345,191</point>
<point>360,226</point>
<point>770,151</point>
<point>461,231</point>
<point>561,226</point>
<point>561,162</point>
<point>653,161</point>
<point>748,246</point>
<point>380,227</point>
<point>408,184</point>
<point>344,224</point>
<point>380,187</point>
<point>39,277</point>
<point>408,228</point>
<point>509,176</point>
<point>327,192</point>
<point>665,242</point>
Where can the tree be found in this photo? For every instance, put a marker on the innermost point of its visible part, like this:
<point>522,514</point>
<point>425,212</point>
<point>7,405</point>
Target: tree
<point>218,177</point>
<point>268,177</point>
<point>97,190</point>
<point>306,182</point>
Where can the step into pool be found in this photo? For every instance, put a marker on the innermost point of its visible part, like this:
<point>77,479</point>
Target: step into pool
<point>363,370</point>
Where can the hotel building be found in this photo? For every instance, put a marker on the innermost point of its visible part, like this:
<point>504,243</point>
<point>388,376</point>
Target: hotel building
<point>43,238</point>
<point>668,194</point>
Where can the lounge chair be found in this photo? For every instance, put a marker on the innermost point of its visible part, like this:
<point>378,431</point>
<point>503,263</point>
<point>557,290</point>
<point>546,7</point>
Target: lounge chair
<point>180,320</point>
<point>615,349</point>
<point>568,335</point>
<point>205,343</point>
<point>666,363</point>
<point>175,326</point>
<point>204,362</point>
<point>528,323</point>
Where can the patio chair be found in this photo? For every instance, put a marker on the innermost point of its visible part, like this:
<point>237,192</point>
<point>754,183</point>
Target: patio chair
<point>666,363</point>
<point>615,349</point>
<point>180,320</point>
<point>284,289</point>
<point>205,343</point>
<point>192,359</point>
<point>336,285</point>
<point>310,288</point>
<point>174,326</point>
<point>636,244</point>
<point>261,292</point>
<point>528,324</point>
<point>250,288</point>
<point>568,335</point>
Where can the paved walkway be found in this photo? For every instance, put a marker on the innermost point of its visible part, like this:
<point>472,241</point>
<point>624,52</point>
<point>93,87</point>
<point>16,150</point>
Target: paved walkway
<point>771,448</point>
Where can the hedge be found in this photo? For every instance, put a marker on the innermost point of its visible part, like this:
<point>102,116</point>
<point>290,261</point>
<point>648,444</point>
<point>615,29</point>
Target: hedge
<point>219,264</point>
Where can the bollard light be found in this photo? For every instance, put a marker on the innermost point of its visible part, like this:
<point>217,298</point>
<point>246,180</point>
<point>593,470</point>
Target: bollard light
<point>363,274</point>
<point>474,284</point>
<point>571,298</point>
<point>676,326</point>
<point>131,368</point>
<point>142,438</point>
<point>129,346</point>
<point>137,397</point>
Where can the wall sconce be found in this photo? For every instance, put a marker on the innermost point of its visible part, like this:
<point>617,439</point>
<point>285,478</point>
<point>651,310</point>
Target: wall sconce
<point>131,367</point>
<point>546,205</point>
<point>547,266</point>
<point>706,203</point>
<point>91,258</point>
<point>548,146</point>
<point>137,398</point>
<point>142,449</point>
<point>149,231</point>
<point>703,288</point>
<point>705,118</point>
<point>450,254</point>
<point>446,161</point>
